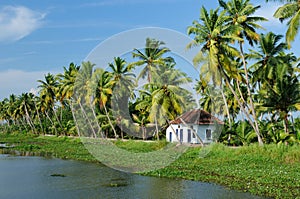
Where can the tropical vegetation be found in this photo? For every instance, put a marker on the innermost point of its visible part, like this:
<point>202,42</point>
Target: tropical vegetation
<point>248,75</point>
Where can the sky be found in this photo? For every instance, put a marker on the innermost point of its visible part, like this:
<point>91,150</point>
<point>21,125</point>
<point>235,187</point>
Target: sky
<point>38,37</point>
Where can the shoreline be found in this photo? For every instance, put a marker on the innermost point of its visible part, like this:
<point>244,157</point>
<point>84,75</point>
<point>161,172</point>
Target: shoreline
<point>269,171</point>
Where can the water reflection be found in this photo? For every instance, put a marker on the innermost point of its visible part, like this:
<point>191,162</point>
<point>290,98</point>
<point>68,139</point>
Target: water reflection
<point>32,177</point>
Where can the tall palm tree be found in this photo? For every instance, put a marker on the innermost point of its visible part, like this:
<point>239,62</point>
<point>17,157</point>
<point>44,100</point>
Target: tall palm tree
<point>11,106</point>
<point>66,88</point>
<point>84,94</point>
<point>67,81</point>
<point>213,34</point>
<point>121,73</point>
<point>123,85</point>
<point>102,84</point>
<point>48,94</point>
<point>267,56</point>
<point>168,96</point>
<point>240,13</point>
<point>151,58</point>
<point>283,96</point>
<point>26,105</point>
<point>291,12</point>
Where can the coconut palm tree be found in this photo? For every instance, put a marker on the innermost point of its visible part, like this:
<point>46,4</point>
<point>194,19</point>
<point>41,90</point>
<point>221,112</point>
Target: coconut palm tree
<point>213,34</point>
<point>84,96</point>
<point>67,81</point>
<point>168,96</point>
<point>267,56</point>
<point>240,13</point>
<point>123,84</point>
<point>291,12</point>
<point>150,57</point>
<point>66,88</point>
<point>48,95</point>
<point>102,84</point>
<point>283,96</point>
<point>26,105</point>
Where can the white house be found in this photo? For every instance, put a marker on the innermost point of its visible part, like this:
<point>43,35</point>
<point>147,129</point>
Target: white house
<point>194,127</point>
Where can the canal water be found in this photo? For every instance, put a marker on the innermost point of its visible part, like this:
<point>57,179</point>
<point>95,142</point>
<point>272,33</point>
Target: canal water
<point>40,177</point>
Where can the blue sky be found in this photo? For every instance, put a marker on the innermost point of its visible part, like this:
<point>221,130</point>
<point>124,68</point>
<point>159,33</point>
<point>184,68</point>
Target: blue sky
<point>37,37</point>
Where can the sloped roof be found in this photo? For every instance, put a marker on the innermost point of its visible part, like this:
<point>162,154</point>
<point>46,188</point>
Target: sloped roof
<point>197,116</point>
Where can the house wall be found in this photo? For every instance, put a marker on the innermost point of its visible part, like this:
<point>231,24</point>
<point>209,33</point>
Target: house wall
<point>200,130</point>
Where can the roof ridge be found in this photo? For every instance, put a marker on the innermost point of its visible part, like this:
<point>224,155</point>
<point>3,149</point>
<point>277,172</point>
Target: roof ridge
<point>197,116</point>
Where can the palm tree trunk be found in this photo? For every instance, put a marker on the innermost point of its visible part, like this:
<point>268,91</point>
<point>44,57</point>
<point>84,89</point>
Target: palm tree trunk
<point>240,92</point>
<point>24,124</point>
<point>249,93</point>
<point>241,105</point>
<point>286,123</point>
<point>87,118</point>
<point>96,120</point>
<point>110,123</point>
<point>75,120</point>
<point>38,114</point>
<point>29,120</point>
<point>51,122</point>
<point>56,117</point>
<point>226,106</point>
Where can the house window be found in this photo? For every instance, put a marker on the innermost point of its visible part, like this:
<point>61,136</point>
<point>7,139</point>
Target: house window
<point>208,134</point>
<point>189,135</point>
<point>177,132</point>
<point>181,135</point>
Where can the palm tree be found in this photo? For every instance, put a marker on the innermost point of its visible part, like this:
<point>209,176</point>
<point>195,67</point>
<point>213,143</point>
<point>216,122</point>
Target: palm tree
<point>240,13</point>
<point>66,88</point>
<point>141,110</point>
<point>283,96</point>
<point>168,97</point>
<point>102,84</point>
<point>151,58</point>
<point>269,57</point>
<point>84,94</point>
<point>213,34</point>
<point>291,12</point>
<point>26,105</point>
<point>123,84</point>
<point>48,95</point>
<point>11,106</point>
<point>67,81</point>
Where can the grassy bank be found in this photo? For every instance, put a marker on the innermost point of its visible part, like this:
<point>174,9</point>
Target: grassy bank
<point>271,170</point>
<point>60,147</point>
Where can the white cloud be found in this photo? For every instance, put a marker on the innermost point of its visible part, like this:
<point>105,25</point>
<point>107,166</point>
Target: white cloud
<point>18,81</point>
<point>17,22</point>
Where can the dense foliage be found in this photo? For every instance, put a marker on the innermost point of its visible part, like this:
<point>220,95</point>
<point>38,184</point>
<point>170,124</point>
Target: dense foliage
<point>250,77</point>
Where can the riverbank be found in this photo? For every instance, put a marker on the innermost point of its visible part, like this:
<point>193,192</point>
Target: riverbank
<point>272,170</point>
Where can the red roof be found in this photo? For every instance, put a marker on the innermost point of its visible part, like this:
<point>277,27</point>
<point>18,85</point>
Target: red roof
<point>197,116</point>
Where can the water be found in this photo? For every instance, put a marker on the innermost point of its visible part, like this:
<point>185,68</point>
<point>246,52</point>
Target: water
<point>39,177</point>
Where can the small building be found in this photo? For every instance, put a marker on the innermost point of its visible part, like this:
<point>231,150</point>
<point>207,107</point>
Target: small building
<point>194,127</point>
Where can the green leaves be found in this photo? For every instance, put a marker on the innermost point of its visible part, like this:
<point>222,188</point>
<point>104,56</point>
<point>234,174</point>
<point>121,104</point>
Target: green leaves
<point>290,11</point>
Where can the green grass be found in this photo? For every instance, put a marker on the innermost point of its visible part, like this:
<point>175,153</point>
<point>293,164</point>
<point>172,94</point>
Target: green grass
<point>60,147</point>
<point>140,146</point>
<point>272,170</point>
